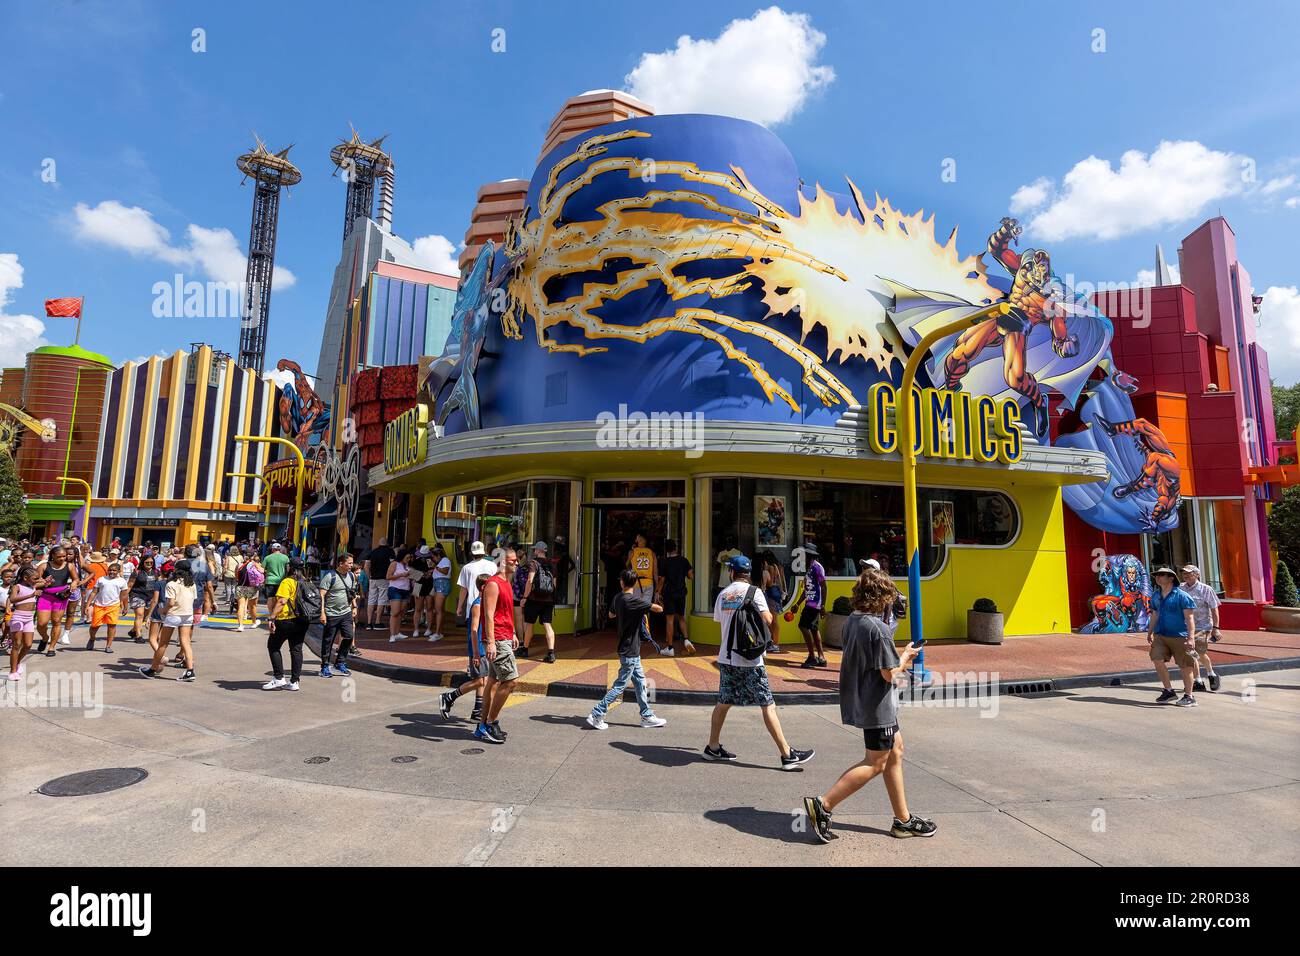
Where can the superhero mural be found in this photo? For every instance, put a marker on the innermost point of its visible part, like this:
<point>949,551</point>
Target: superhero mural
<point>304,415</point>
<point>679,263</point>
<point>1124,606</point>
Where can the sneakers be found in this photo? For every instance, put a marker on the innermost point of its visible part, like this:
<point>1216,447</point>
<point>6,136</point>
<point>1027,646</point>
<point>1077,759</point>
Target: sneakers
<point>549,658</point>
<point>187,677</point>
<point>14,675</point>
<point>772,648</point>
<point>914,827</point>
<point>444,704</point>
<point>718,753</point>
<point>240,628</point>
<point>1215,683</point>
<point>393,639</point>
<point>521,651</point>
<point>810,663</point>
<point>596,723</point>
<point>496,729</point>
<point>488,732</point>
<point>64,639</point>
<point>275,683</point>
<point>433,638</point>
<point>325,671</point>
<point>146,671</point>
<point>90,646</point>
<point>476,714</point>
<point>1187,700</point>
<point>342,668</point>
<point>653,721</point>
<point>1198,685</point>
<point>667,652</point>
<point>292,685</point>
<point>796,758</point>
<point>819,819</point>
<point>689,648</point>
<point>821,662</point>
<point>1166,696</point>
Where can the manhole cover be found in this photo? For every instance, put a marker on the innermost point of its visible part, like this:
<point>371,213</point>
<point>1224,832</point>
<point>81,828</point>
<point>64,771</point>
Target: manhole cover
<point>92,781</point>
<point>317,760</point>
<point>405,759</point>
<point>471,751</point>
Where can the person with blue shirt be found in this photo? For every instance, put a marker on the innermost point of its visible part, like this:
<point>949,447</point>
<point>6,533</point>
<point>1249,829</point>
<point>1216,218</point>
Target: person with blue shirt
<point>1172,633</point>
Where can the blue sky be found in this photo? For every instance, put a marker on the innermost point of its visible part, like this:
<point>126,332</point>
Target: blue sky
<point>143,131</point>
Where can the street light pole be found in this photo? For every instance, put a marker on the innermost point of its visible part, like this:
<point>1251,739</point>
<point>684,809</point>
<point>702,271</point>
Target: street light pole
<point>266,491</point>
<point>302,472</point>
<point>907,429</point>
<point>85,516</point>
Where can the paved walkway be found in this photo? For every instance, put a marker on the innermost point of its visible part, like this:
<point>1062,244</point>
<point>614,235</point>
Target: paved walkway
<point>237,776</point>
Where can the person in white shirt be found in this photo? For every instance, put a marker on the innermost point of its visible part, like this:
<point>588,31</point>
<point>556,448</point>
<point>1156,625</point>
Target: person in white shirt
<point>469,574</point>
<point>441,571</point>
<point>108,603</point>
<point>742,681</point>
<point>1206,618</point>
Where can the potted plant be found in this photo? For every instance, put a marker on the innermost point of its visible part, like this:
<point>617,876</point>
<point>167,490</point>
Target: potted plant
<point>984,623</point>
<point>1284,613</point>
<point>833,635</point>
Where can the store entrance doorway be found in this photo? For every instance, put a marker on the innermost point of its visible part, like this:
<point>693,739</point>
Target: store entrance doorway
<point>617,526</point>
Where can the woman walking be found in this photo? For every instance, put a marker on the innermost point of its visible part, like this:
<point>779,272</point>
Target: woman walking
<point>57,579</point>
<point>421,593</point>
<point>284,625</point>
<point>399,589</point>
<point>178,617</point>
<point>140,597</point>
<point>251,576</point>
<point>440,575</point>
<point>773,584</point>
<point>20,607</point>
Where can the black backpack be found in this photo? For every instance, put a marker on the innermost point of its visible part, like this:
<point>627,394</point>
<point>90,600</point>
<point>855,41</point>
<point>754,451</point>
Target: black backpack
<point>747,632</point>
<point>544,579</point>
<point>306,602</point>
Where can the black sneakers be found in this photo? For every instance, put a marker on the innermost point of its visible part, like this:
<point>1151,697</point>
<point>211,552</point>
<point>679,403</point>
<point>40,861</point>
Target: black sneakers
<point>819,819</point>
<point>796,757</point>
<point>718,753</point>
<point>549,658</point>
<point>1198,685</point>
<point>914,827</point>
<point>1187,700</point>
<point>1215,683</point>
<point>187,677</point>
<point>444,705</point>
<point>521,651</point>
<point>1166,696</point>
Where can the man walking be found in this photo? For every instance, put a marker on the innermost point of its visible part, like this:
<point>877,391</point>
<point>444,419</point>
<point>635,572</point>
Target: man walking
<point>1206,617</point>
<point>499,644</point>
<point>674,574</point>
<point>629,609</point>
<point>229,573</point>
<point>814,600</point>
<point>338,605</point>
<point>743,681</point>
<point>539,601</point>
<point>1170,634</point>
<point>377,563</point>
<point>469,574</point>
<point>276,564</point>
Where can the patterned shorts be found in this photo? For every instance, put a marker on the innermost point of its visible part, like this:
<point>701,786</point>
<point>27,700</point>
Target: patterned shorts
<point>743,686</point>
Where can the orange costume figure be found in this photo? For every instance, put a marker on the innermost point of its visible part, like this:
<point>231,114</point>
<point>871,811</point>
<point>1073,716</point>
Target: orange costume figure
<point>1161,470</point>
<point>1034,299</point>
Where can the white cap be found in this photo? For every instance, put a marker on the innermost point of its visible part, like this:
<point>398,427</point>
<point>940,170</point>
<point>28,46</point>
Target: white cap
<point>275,546</point>
<point>477,548</point>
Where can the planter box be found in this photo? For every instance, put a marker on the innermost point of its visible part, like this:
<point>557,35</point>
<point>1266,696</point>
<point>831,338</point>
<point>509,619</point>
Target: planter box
<point>833,630</point>
<point>1285,620</point>
<point>983,628</point>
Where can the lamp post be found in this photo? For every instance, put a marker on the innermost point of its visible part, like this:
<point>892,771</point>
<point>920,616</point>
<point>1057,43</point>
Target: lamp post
<point>85,516</point>
<point>302,472</point>
<point>266,491</point>
<point>907,428</point>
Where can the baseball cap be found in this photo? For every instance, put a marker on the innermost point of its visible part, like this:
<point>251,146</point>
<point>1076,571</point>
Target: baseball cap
<point>739,563</point>
<point>810,548</point>
<point>275,546</point>
<point>296,562</point>
<point>869,563</point>
<point>477,548</point>
<point>424,551</point>
<point>539,545</point>
<point>1191,568</point>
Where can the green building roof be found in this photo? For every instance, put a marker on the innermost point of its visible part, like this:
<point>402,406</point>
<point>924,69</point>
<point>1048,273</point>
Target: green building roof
<point>75,352</point>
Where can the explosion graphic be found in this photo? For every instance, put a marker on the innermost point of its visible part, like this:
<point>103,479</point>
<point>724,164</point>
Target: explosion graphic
<point>827,266</point>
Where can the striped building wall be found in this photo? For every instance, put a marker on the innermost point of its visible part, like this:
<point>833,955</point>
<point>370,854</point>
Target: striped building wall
<point>168,433</point>
<point>66,385</point>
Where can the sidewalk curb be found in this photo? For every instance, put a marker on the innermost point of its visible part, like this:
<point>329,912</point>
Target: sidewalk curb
<point>1010,688</point>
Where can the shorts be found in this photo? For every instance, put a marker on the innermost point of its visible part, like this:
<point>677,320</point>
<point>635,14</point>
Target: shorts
<point>247,593</point>
<point>809,618</point>
<point>880,738</point>
<point>177,620</point>
<point>1203,642</point>
<point>100,615</point>
<point>674,603</point>
<point>743,686</point>
<point>1163,648</point>
<point>22,622</point>
<point>775,598</point>
<point>535,611</point>
<point>138,603</point>
<point>378,593</point>
<point>442,586</point>
<point>56,604</point>
<point>479,669</point>
<point>398,594</point>
<point>503,667</point>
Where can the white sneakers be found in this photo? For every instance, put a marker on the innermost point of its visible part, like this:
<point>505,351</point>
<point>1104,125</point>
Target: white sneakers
<point>596,723</point>
<point>64,639</point>
<point>393,639</point>
<point>433,637</point>
<point>653,722</point>
<point>240,628</point>
<point>275,683</point>
<point>292,685</point>
<point>667,652</point>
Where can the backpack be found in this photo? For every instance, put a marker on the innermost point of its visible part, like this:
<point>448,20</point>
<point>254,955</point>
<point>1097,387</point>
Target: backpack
<point>349,589</point>
<point>306,602</point>
<point>251,576</point>
<point>544,580</point>
<point>747,633</point>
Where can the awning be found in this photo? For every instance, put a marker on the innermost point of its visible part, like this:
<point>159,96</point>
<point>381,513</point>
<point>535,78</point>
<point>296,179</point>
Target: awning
<point>322,514</point>
<point>52,509</point>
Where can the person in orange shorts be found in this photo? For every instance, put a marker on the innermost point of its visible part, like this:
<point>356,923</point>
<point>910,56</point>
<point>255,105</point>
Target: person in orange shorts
<point>108,603</point>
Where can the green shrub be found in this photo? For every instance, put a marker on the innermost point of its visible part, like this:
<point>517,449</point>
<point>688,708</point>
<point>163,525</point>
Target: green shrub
<point>986,606</point>
<point>842,606</point>
<point>1284,589</point>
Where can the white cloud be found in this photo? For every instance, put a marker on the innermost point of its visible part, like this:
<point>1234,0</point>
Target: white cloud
<point>1147,277</point>
<point>1277,184</point>
<point>281,377</point>
<point>19,334</point>
<point>1097,201</point>
<point>1293,202</point>
<point>1279,331</point>
<point>437,254</point>
<point>1032,196</point>
<point>215,253</point>
<point>761,69</point>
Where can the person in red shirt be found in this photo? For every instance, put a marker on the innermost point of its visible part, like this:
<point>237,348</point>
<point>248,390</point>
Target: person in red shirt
<point>498,616</point>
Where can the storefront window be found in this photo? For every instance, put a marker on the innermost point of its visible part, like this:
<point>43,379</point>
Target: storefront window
<point>515,516</point>
<point>1173,549</point>
<point>850,521</point>
<point>1223,535</point>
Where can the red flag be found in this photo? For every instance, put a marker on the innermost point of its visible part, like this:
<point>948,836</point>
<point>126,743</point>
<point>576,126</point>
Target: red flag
<point>63,308</point>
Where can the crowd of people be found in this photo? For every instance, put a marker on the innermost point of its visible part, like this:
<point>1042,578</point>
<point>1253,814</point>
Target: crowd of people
<point>50,587</point>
